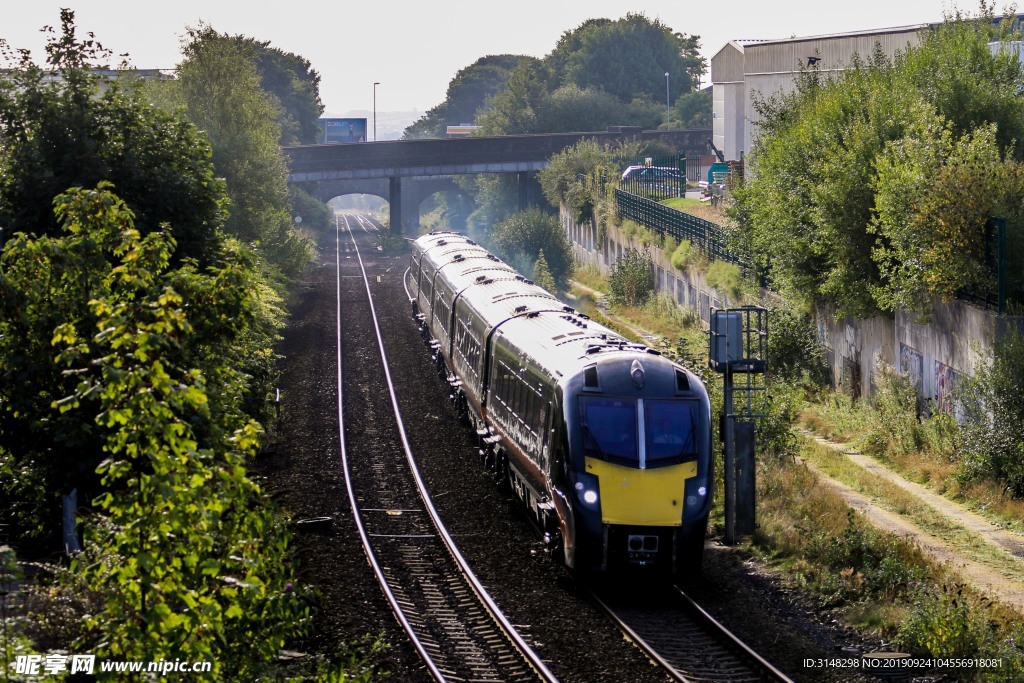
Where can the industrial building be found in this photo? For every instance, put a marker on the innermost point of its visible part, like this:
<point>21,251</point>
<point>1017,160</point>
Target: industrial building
<point>744,70</point>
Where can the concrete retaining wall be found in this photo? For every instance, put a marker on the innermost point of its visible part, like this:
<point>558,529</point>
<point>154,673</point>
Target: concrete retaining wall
<point>934,354</point>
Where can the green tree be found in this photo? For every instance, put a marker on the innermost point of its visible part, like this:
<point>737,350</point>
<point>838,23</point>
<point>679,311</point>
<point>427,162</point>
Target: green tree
<point>571,108</point>
<point>294,85</point>
<point>56,134</point>
<point>189,557</point>
<point>514,110</point>
<point>630,56</point>
<point>221,89</point>
<point>570,43</point>
<point>580,175</point>
<point>693,110</point>
<point>934,196</point>
<point>542,274</point>
<point>522,237</point>
<point>467,93</point>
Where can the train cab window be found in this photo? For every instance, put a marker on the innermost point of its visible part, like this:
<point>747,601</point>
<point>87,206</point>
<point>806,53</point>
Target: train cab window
<point>609,429</point>
<point>670,431</point>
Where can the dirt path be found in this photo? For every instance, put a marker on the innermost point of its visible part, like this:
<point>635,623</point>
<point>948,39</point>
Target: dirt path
<point>984,578</point>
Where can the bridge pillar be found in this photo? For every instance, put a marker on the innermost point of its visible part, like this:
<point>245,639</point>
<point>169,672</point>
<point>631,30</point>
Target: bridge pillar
<point>529,189</point>
<point>411,199</point>
<point>395,202</point>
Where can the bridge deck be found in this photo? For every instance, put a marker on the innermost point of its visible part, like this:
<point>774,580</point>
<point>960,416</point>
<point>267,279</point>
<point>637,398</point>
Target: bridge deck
<point>455,156</point>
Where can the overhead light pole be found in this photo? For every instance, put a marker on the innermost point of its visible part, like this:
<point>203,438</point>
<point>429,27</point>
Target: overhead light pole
<point>375,84</point>
<point>668,119</point>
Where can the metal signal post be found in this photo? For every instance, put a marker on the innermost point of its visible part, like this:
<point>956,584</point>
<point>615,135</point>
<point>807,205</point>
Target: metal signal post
<point>739,346</point>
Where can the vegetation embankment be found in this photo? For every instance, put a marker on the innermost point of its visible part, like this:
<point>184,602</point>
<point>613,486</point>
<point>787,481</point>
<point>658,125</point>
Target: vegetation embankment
<point>147,255</point>
<point>874,187</point>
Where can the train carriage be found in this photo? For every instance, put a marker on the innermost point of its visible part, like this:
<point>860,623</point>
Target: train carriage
<point>606,442</point>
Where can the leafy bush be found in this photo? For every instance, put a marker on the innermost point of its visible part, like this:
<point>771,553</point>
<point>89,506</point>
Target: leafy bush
<point>315,215</point>
<point>993,412</point>
<point>872,186</point>
<point>198,559</point>
<point>779,406</point>
<point>896,429</point>
<point>521,237</point>
<point>794,350</point>
<point>941,624</point>
<point>189,559</point>
<point>631,280</point>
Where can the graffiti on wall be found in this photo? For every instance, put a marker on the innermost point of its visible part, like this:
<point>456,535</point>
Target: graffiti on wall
<point>946,379</point>
<point>912,365</point>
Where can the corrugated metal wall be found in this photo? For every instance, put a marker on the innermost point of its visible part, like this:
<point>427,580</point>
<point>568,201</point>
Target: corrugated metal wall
<point>771,67</point>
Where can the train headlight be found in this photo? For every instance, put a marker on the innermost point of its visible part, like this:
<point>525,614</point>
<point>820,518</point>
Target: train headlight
<point>696,495</point>
<point>587,491</point>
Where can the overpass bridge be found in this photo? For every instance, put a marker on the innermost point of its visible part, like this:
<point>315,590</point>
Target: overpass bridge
<point>405,172</point>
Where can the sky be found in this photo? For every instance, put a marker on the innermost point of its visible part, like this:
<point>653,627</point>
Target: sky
<point>414,48</point>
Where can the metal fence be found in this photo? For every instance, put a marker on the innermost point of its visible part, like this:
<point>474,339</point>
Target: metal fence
<point>702,234</point>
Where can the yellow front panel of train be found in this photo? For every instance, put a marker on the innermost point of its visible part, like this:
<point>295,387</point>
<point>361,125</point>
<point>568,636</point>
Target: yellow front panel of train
<point>642,497</point>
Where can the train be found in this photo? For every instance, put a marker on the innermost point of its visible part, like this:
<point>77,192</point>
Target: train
<point>606,442</point>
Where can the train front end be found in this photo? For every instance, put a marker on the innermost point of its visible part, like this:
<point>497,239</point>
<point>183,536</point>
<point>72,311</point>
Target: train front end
<point>639,467</point>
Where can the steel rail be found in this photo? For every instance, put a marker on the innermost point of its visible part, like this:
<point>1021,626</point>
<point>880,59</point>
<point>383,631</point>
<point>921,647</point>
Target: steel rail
<point>753,666</point>
<point>353,501</point>
<point>483,596</point>
<point>735,640</point>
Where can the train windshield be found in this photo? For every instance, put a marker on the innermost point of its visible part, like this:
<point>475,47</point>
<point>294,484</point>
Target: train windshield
<point>609,428</point>
<point>670,431</point>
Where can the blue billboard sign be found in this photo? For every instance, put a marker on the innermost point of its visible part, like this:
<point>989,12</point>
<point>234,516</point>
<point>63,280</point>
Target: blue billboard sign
<point>343,130</point>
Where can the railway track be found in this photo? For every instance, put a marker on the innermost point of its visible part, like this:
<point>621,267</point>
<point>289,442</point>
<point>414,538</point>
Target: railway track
<point>686,641</point>
<point>447,614</point>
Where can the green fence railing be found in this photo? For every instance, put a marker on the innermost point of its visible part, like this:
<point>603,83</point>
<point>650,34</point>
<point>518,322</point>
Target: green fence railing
<point>702,234</point>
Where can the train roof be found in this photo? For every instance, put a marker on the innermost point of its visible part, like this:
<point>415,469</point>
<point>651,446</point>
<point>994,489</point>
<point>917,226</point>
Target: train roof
<point>499,299</point>
<point>563,343</point>
<point>559,338</point>
<point>439,239</point>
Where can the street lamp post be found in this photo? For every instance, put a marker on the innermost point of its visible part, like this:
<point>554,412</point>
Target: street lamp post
<point>375,84</point>
<point>668,119</point>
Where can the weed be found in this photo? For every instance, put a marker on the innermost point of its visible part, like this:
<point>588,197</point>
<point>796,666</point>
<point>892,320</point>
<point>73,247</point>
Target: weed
<point>727,279</point>
<point>941,623</point>
<point>589,275</point>
<point>682,255</point>
<point>669,247</point>
<point>895,429</point>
